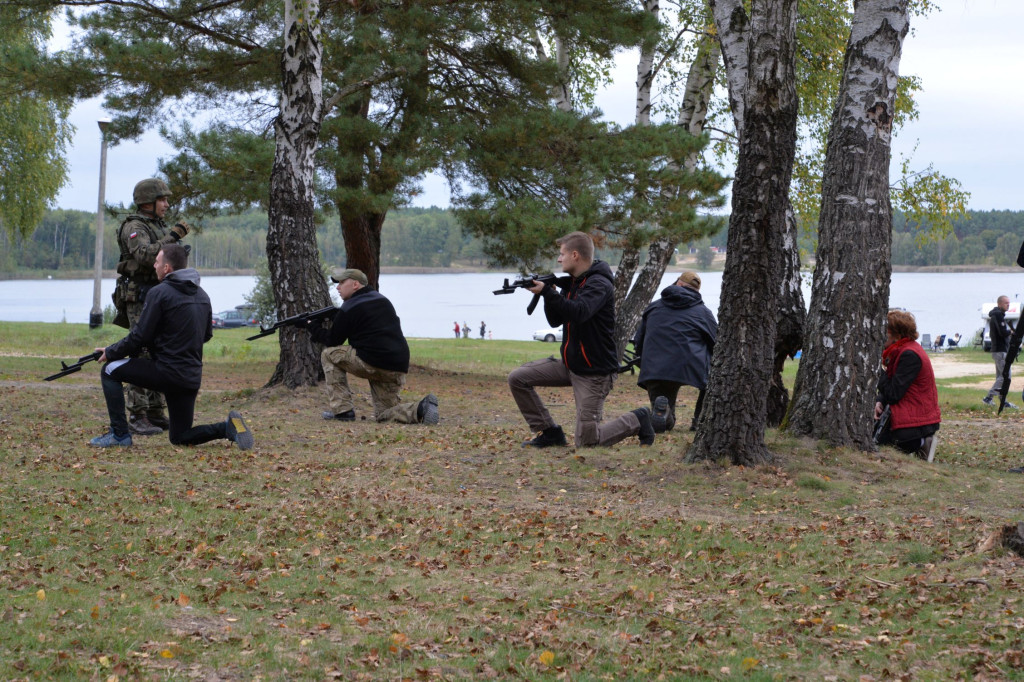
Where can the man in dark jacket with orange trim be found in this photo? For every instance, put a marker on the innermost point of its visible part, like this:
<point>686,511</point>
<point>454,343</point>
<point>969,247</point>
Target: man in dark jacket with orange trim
<point>586,311</point>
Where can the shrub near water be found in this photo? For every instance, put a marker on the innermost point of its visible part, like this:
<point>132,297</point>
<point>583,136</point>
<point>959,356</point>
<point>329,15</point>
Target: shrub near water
<point>381,551</point>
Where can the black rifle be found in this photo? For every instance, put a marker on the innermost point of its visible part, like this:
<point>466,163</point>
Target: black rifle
<point>299,320</point>
<point>71,369</point>
<point>883,421</point>
<point>630,361</point>
<point>527,282</point>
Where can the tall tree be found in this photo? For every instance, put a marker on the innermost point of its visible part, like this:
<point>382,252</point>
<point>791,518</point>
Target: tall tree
<point>732,423</point>
<point>34,131</point>
<point>834,390</point>
<point>292,253</point>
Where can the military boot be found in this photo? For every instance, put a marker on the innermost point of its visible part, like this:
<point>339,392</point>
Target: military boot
<point>141,426</point>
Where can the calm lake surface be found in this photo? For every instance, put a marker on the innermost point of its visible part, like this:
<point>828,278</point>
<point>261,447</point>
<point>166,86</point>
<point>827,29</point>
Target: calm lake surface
<point>429,305</point>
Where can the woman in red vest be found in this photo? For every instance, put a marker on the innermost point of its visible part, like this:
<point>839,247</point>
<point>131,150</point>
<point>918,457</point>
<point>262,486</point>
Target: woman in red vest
<point>906,387</point>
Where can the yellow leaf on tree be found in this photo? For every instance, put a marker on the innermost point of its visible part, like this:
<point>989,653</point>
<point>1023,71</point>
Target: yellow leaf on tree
<point>547,657</point>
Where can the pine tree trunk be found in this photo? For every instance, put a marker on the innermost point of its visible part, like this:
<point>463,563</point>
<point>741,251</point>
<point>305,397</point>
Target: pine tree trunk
<point>732,423</point>
<point>292,254</point>
<point>834,392</point>
<point>362,243</point>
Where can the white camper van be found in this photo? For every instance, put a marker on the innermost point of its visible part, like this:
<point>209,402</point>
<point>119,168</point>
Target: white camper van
<point>1012,315</point>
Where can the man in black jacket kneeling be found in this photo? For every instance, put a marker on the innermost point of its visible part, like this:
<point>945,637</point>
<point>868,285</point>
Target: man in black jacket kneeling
<point>175,322</point>
<point>377,351</point>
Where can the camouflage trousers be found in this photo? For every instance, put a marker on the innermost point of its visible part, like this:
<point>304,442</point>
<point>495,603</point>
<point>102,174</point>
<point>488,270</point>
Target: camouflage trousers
<point>142,401</point>
<point>385,386</point>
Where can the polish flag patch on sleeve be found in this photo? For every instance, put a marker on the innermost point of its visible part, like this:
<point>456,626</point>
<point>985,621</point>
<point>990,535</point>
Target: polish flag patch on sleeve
<point>132,235</point>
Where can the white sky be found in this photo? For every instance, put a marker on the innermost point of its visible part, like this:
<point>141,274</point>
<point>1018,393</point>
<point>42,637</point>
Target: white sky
<point>968,56</point>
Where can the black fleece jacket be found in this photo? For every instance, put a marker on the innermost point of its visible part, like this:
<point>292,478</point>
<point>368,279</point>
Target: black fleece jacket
<point>586,312</point>
<point>369,323</point>
<point>176,321</point>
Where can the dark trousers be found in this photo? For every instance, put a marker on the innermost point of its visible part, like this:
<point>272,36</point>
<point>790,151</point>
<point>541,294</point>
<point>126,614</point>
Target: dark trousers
<point>181,402</point>
<point>670,389</point>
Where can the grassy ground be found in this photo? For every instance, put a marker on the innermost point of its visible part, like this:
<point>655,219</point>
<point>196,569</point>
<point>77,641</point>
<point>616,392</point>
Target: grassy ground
<point>369,551</point>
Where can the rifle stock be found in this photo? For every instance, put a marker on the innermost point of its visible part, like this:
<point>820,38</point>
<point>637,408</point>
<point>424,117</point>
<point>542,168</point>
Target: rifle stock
<point>67,369</point>
<point>296,320</point>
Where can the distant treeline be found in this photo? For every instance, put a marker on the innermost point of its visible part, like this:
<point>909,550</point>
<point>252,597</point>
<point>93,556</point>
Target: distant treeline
<point>432,237</point>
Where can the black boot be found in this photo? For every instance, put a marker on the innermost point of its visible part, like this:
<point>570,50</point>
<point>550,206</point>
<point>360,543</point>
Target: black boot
<point>659,418</point>
<point>646,433</point>
<point>551,436</point>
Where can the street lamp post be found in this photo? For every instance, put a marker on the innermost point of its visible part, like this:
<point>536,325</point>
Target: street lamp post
<point>96,316</point>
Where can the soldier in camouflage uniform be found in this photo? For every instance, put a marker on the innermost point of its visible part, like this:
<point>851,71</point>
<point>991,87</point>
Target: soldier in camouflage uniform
<point>140,237</point>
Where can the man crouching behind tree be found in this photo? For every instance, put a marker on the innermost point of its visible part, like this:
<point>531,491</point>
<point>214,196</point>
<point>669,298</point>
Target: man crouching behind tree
<point>377,352</point>
<point>175,322</point>
<point>586,311</point>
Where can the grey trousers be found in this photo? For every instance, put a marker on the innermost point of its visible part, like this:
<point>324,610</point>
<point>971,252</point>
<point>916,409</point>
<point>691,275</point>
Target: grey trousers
<point>1000,360</point>
<point>385,386</point>
<point>589,392</point>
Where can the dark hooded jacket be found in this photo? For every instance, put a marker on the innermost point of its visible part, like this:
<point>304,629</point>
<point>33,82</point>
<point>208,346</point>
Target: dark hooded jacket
<point>586,313</point>
<point>176,321</point>
<point>675,340</point>
<point>998,330</point>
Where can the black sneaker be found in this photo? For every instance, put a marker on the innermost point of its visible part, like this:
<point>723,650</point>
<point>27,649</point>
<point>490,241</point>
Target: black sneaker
<point>646,434</point>
<point>349,416</point>
<point>659,418</point>
<point>426,411</point>
<point>141,426</point>
<point>549,437</point>
<point>238,432</point>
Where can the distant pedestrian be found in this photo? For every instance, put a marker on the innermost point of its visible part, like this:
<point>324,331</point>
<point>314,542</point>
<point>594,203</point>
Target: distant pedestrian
<point>465,330</point>
<point>490,335</point>
<point>483,329</point>
<point>456,330</point>
<point>999,331</point>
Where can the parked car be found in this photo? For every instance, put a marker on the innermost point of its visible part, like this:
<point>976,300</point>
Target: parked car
<point>550,335</point>
<point>240,316</point>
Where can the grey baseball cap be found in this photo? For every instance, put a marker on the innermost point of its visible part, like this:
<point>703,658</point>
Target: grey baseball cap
<point>339,275</point>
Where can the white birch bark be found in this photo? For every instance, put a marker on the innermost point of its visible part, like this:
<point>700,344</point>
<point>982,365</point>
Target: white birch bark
<point>292,253</point>
<point>645,71</point>
<point>732,422</point>
<point>734,36</point>
<point>834,391</point>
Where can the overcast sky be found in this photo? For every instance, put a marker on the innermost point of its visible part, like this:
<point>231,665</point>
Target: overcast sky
<point>968,55</point>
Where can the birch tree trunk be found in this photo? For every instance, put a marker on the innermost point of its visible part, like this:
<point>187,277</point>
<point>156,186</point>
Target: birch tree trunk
<point>834,392</point>
<point>292,253</point>
<point>734,34</point>
<point>732,422</point>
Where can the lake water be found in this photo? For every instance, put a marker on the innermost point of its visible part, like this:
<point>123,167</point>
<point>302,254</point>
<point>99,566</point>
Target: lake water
<point>429,305</point>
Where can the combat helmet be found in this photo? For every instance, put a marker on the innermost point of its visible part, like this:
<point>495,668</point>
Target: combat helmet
<point>149,190</point>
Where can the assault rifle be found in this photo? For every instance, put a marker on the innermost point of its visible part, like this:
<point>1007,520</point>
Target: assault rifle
<point>526,283</point>
<point>881,424</point>
<point>630,361</point>
<point>67,369</point>
<point>299,320</point>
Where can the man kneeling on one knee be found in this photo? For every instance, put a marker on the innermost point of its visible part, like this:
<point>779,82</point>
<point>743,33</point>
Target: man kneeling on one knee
<point>377,351</point>
<point>175,322</point>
